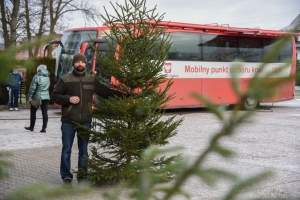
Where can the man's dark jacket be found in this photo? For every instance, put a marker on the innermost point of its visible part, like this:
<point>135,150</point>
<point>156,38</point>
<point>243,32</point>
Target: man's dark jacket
<point>84,86</point>
<point>13,80</point>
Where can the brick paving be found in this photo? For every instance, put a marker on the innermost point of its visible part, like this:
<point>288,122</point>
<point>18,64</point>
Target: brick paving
<point>272,144</point>
<point>37,165</point>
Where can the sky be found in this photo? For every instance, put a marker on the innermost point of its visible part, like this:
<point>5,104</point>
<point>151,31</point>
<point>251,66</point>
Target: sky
<point>265,14</point>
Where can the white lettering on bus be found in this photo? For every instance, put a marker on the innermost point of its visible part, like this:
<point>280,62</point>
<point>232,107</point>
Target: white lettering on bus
<point>196,69</point>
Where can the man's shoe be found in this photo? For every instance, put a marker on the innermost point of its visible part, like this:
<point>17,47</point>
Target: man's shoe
<point>11,109</point>
<point>29,128</point>
<point>67,182</point>
<point>43,130</point>
<point>16,109</point>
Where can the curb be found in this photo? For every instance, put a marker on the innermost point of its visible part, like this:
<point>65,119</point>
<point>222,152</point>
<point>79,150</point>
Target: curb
<point>25,106</point>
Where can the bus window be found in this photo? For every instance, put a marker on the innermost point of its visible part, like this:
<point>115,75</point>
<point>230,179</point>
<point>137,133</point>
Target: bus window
<point>89,54</point>
<point>219,48</point>
<point>100,69</point>
<point>185,46</point>
<point>70,44</point>
<point>282,54</point>
<point>102,48</point>
<point>250,49</point>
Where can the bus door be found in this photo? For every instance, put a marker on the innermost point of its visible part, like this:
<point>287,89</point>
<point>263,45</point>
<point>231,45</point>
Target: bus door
<point>186,87</point>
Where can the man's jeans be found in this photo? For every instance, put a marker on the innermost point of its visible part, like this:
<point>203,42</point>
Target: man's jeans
<point>68,135</point>
<point>13,97</point>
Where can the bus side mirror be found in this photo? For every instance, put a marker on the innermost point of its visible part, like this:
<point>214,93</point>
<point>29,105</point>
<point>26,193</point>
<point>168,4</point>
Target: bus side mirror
<point>103,47</point>
<point>45,50</point>
<point>49,44</point>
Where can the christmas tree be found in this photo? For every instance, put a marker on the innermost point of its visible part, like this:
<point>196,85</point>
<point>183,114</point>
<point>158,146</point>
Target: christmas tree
<point>125,127</point>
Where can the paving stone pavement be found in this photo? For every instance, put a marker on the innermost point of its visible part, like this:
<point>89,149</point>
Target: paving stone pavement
<point>40,165</point>
<point>269,141</point>
<point>35,155</point>
<point>36,165</point>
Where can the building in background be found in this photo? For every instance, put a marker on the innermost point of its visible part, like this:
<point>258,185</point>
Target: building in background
<point>24,54</point>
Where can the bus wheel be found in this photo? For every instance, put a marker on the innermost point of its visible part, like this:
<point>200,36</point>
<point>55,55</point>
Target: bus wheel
<point>250,103</point>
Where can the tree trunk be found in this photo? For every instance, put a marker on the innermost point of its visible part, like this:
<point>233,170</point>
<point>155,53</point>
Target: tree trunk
<point>4,22</point>
<point>13,24</point>
<point>27,26</point>
<point>42,24</point>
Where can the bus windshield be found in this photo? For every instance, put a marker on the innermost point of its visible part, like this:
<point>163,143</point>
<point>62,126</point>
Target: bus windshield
<point>70,44</point>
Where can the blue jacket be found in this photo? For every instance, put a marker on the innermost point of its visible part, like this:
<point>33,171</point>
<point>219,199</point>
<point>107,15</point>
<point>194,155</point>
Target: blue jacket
<point>13,80</point>
<point>39,87</point>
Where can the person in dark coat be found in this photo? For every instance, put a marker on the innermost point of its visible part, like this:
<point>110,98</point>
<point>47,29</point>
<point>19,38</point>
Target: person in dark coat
<point>13,81</point>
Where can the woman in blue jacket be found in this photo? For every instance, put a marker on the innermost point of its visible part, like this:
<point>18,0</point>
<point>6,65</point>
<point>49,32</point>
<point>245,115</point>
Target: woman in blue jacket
<point>39,89</point>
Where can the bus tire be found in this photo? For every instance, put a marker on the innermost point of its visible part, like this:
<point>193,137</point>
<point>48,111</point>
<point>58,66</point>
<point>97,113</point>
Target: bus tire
<point>250,103</point>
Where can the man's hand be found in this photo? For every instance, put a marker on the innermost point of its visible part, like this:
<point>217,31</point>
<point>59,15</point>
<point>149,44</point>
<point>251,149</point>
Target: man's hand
<point>74,99</point>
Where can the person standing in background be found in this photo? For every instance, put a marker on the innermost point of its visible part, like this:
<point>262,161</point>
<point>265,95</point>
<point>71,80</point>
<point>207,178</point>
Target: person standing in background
<point>13,82</point>
<point>39,89</point>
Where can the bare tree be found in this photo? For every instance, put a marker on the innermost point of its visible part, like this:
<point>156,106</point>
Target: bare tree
<point>58,8</point>
<point>4,25</point>
<point>31,19</point>
<point>13,23</point>
<point>9,21</point>
<point>35,21</point>
<point>27,26</point>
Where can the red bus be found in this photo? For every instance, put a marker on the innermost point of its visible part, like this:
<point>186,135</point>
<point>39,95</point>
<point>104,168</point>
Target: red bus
<point>201,60</point>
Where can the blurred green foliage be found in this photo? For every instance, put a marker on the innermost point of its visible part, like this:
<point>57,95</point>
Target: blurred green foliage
<point>31,191</point>
<point>144,186</point>
<point>8,61</point>
<point>126,127</point>
<point>30,72</point>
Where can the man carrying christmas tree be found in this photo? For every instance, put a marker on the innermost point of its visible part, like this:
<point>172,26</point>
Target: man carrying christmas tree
<point>74,92</point>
